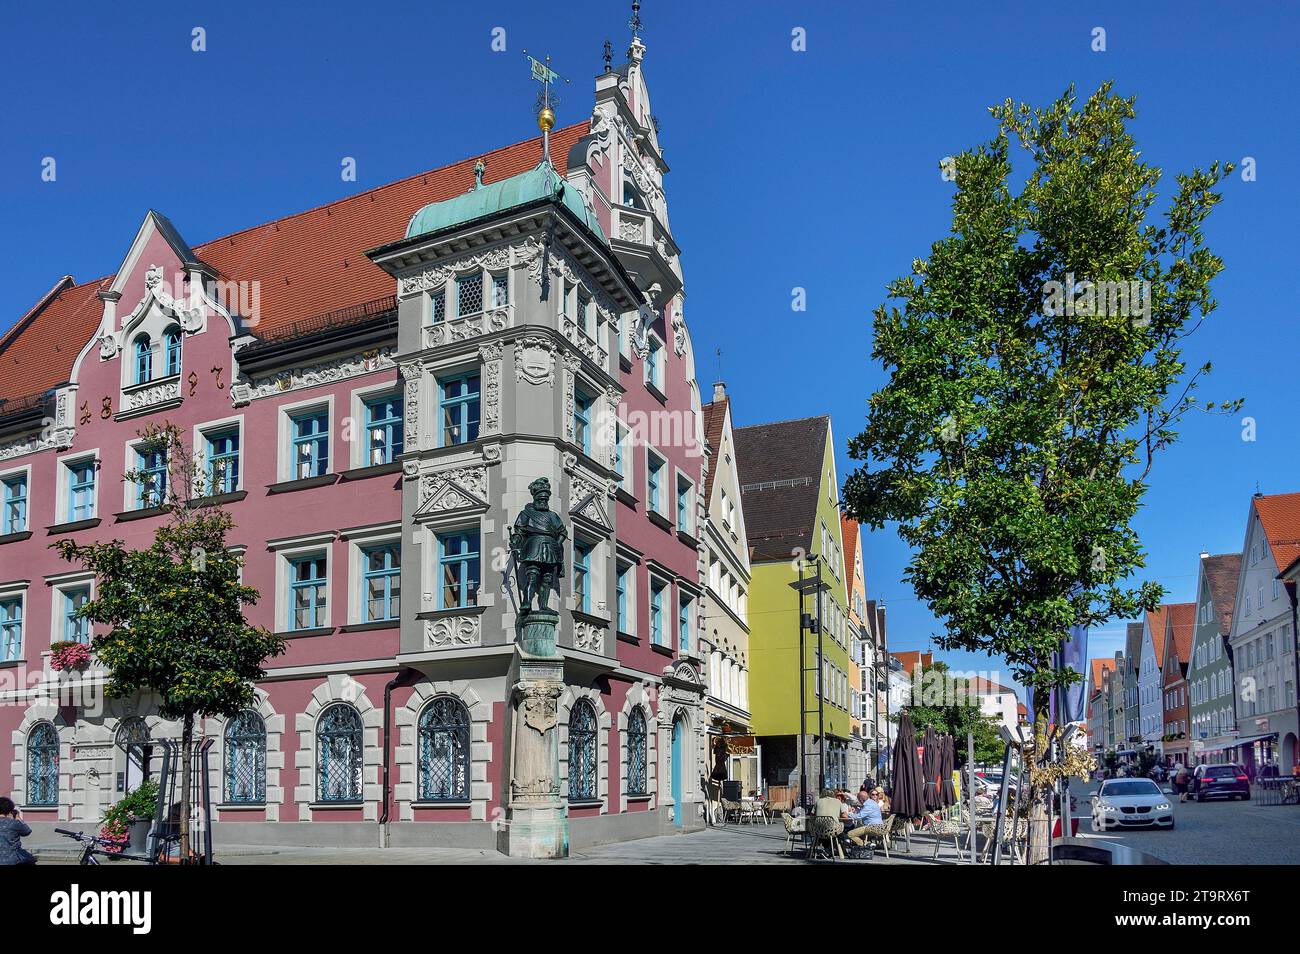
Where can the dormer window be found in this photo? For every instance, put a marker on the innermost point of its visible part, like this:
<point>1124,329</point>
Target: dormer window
<point>172,345</point>
<point>143,360</point>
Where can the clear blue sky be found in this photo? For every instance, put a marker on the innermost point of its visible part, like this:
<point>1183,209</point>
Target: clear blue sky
<point>815,169</point>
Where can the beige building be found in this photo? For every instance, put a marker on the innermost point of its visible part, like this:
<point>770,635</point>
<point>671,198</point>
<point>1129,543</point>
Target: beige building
<point>724,640</point>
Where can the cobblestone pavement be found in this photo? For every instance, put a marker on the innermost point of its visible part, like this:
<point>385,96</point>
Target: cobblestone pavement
<point>1215,833</point>
<point>734,845</point>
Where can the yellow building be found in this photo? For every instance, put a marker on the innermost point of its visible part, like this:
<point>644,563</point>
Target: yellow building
<point>790,497</point>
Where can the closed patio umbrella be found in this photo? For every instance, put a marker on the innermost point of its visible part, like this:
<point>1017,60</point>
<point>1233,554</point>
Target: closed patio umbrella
<point>906,799</point>
<point>930,769</point>
<point>947,794</point>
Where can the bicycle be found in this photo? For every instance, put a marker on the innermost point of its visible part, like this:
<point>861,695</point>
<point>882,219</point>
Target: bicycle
<point>91,843</point>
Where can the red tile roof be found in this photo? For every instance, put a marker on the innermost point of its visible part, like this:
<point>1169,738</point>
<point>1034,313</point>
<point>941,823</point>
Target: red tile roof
<point>715,416</point>
<point>1182,627</point>
<point>308,264</point>
<point>851,531</point>
<point>1280,515</point>
<point>1156,618</point>
<point>912,659</point>
<point>985,687</point>
<point>1221,573</point>
<point>1099,667</point>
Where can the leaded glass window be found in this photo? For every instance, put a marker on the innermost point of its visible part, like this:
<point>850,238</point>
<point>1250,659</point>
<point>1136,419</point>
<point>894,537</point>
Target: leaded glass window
<point>444,751</point>
<point>469,294</point>
<point>439,307</point>
<point>43,765</point>
<point>582,752</point>
<point>636,752</point>
<point>338,754</point>
<point>245,762</point>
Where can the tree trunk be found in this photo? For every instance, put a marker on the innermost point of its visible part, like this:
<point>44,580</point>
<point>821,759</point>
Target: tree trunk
<point>1040,793</point>
<point>187,739</point>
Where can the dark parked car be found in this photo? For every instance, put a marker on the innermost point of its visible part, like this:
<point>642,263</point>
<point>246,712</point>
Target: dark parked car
<point>1218,781</point>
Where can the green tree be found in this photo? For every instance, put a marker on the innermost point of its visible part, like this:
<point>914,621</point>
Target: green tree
<point>175,611</point>
<point>948,703</point>
<point>1034,373</point>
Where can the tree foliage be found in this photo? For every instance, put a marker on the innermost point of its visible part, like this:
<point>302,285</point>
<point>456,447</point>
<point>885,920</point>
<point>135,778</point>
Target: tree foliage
<point>1013,436</point>
<point>948,703</point>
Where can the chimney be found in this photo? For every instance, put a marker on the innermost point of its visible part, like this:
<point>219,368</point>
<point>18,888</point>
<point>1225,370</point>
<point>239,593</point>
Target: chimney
<point>719,391</point>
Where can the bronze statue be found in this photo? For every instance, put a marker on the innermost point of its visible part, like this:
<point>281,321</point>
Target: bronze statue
<point>537,546</point>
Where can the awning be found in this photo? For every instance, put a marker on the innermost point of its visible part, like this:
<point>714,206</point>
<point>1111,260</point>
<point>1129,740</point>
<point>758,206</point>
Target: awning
<point>1222,745</point>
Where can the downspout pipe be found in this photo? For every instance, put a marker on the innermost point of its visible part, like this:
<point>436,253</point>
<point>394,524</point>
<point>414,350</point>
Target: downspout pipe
<point>405,677</point>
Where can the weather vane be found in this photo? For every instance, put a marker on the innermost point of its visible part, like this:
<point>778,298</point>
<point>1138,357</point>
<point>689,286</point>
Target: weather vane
<point>542,73</point>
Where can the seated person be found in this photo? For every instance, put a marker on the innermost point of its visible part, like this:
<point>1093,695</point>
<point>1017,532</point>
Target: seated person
<point>828,806</point>
<point>858,821</point>
<point>880,798</point>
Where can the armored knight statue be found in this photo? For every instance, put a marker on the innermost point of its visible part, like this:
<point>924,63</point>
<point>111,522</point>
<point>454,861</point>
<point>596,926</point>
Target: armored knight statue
<point>537,546</point>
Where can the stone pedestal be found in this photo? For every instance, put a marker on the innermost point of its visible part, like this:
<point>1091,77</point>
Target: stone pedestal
<point>537,822</point>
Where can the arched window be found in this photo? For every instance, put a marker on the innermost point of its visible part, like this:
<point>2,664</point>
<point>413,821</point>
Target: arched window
<point>245,768</point>
<point>444,750</point>
<point>636,752</point>
<point>43,765</point>
<point>133,739</point>
<point>172,345</point>
<point>582,752</point>
<point>143,359</point>
<point>338,754</point>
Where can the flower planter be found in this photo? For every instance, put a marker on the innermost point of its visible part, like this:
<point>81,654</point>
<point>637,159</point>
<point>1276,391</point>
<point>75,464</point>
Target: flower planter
<point>138,835</point>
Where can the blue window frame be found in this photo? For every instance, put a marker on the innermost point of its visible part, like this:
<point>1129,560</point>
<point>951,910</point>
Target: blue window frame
<point>458,569</point>
<point>500,291</point>
<point>339,754</point>
<point>308,592</point>
<point>618,451</point>
<point>636,752</point>
<point>11,630</point>
<point>458,401</point>
<point>14,517</point>
<point>582,576</point>
<point>43,765</point>
<point>654,364</point>
<point>439,307</point>
<point>81,490</point>
<point>76,628</point>
<point>223,461</point>
<point>684,623</point>
<point>622,589</point>
<point>654,482</point>
<point>444,751</point>
<point>143,359</point>
<point>582,420</point>
<point>384,429</point>
<point>683,504</point>
<point>151,476</point>
<point>582,752</point>
<point>172,347</point>
<point>657,611</point>
<point>381,582</point>
<point>245,759</point>
<point>311,444</point>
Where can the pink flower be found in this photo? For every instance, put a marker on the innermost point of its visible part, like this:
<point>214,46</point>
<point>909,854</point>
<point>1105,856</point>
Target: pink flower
<point>70,657</point>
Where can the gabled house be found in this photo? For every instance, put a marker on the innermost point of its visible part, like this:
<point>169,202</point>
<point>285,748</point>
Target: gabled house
<point>1131,733</point>
<point>1263,636</point>
<point>791,503</point>
<point>1151,679</point>
<point>1210,683</point>
<point>1180,625</point>
<point>1098,674</point>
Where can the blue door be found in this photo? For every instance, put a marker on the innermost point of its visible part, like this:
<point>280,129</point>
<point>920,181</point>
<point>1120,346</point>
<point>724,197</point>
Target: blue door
<point>678,744</point>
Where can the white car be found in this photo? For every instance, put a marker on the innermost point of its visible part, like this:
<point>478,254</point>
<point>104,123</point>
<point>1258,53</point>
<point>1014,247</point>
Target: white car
<point>1130,803</point>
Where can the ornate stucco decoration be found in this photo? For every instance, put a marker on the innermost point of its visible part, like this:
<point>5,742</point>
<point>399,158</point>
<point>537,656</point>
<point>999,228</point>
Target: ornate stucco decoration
<point>135,400</point>
<point>587,499</point>
<point>471,326</point>
<point>535,360</point>
<point>435,277</point>
<point>588,637</point>
<point>679,329</point>
<point>603,126</point>
<point>412,374</point>
<point>490,355</point>
<point>458,488</point>
<point>190,316</point>
<point>326,372</point>
<point>571,364</point>
<point>453,632</point>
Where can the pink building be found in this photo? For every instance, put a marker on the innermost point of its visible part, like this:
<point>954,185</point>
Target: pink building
<point>373,384</point>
